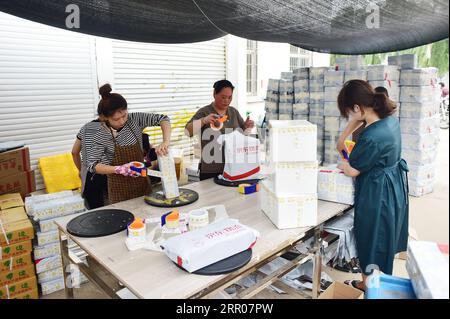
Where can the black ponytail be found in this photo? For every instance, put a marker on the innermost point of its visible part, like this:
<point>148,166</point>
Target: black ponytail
<point>110,102</point>
<point>382,105</point>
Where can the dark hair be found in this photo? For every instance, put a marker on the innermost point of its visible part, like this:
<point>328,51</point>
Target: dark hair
<point>442,84</point>
<point>361,93</point>
<point>221,84</point>
<point>382,89</point>
<point>110,102</point>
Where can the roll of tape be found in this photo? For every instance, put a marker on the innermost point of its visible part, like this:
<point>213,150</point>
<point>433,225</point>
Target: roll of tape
<point>198,218</point>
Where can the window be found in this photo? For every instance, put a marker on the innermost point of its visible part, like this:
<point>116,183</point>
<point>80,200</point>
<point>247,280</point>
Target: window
<point>252,65</point>
<point>299,58</point>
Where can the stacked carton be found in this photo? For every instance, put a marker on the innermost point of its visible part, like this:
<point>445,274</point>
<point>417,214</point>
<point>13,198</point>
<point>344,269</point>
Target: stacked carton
<point>301,94</point>
<point>419,123</point>
<point>16,175</point>
<point>17,272</point>
<point>272,99</point>
<point>334,186</point>
<point>387,76</point>
<point>316,106</point>
<point>289,195</point>
<point>44,209</point>
<point>285,106</point>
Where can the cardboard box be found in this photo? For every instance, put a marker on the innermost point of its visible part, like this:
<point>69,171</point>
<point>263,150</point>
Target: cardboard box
<point>16,249</point>
<point>19,289</point>
<point>47,225</point>
<point>11,215</point>
<point>50,275</point>
<point>14,161</point>
<point>23,183</point>
<point>33,294</point>
<point>338,290</point>
<point>419,77</point>
<point>289,211</point>
<point>294,178</point>
<point>10,201</point>
<point>49,263</point>
<point>52,286</point>
<point>404,61</point>
<point>334,78</point>
<point>17,262</point>
<point>16,232</point>
<point>10,277</point>
<point>383,73</point>
<point>47,238</point>
<point>49,250</point>
<point>334,186</point>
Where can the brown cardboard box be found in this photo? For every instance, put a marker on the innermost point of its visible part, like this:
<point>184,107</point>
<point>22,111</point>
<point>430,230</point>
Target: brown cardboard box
<point>18,262</point>
<point>23,183</point>
<point>11,215</point>
<point>11,277</point>
<point>16,232</point>
<point>17,249</point>
<point>11,201</point>
<point>338,290</point>
<point>20,289</point>
<point>14,161</point>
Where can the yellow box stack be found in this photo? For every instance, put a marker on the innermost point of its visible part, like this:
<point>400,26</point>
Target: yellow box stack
<point>17,271</point>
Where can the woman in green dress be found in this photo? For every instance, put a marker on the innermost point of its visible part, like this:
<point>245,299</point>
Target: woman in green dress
<point>381,189</point>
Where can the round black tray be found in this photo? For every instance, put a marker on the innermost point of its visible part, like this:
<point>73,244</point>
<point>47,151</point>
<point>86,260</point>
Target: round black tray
<point>99,223</point>
<point>187,196</point>
<point>222,182</point>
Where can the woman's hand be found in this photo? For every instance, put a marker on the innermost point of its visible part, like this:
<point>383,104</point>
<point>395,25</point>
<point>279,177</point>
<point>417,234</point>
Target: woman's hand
<point>343,166</point>
<point>125,170</point>
<point>341,145</point>
<point>210,119</point>
<point>249,123</point>
<point>162,149</point>
<point>348,170</point>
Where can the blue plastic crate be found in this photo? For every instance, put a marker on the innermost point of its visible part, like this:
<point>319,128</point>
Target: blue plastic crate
<point>389,287</point>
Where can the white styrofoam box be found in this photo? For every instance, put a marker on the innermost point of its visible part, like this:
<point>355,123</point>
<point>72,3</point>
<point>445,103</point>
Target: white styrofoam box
<point>286,76</point>
<point>31,200</point>
<point>355,75</point>
<point>48,250</point>
<point>300,108</point>
<point>271,116</point>
<point>418,191</point>
<point>419,77</point>
<point>196,249</point>
<point>285,116</point>
<point>334,78</point>
<point>428,270</point>
<point>331,93</point>
<point>301,73</point>
<point>404,61</point>
<point>352,62</point>
<point>316,86</point>
<point>295,178</point>
<point>50,275</point>
<point>418,94</point>
<point>289,211</point>
<point>272,97</point>
<point>292,141</point>
<point>285,108</point>
<point>420,142</point>
<point>300,117</point>
<point>273,85</point>
<point>316,97</point>
<point>419,110</point>
<point>52,286</point>
<point>286,98</point>
<point>317,73</point>
<point>392,88</point>
<point>334,186</point>
<point>301,86</point>
<point>58,207</point>
<point>383,72</point>
<point>332,123</point>
<point>48,263</point>
<point>426,125</point>
<point>286,86</point>
<point>331,109</point>
<point>301,97</point>
<point>416,157</point>
<point>47,237</point>
<point>47,225</point>
<point>317,120</point>
<point>316,109</point>
<point>271,106</point>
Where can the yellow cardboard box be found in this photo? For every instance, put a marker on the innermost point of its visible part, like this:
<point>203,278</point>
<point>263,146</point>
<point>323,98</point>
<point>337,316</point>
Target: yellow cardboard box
<point>11,215</point>
<point>28,295</point>
<point>20,288</point>
<point>18,262</point>
<point>10,201</point>
<point>11,277</point>
<point>16,232</point>
<point>16,249</point>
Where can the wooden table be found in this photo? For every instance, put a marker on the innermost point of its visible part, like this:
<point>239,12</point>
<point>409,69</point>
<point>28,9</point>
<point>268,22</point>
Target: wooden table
<point>151,274</point>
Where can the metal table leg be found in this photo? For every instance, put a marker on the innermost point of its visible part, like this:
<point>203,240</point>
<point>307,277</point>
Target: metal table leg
<point>68,287</point>
<point>317,262</point>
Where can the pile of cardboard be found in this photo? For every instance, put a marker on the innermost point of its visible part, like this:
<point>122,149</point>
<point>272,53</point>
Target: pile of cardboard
<point>289,195</point>
<point>17,271</point>
<point>16,175</point>
<point>272,99</point>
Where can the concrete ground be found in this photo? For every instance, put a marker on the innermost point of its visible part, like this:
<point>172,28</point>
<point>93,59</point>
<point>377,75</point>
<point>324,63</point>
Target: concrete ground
<point>429,218</point>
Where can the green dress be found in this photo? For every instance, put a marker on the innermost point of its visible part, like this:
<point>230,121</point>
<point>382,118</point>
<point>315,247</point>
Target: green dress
<point>381,196</point>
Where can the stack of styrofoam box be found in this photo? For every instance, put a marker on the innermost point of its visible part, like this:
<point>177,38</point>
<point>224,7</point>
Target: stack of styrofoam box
<point>316,105</point>
<point>334,123</point>
<point>350,63</point>
<point>335,186</point>
<point>404,61</point>
<point>387,76</point>
<point>289,195</point>
<point>419,123</point>
<point>301,94</point>
<point>272,99</point>
<point>44,209</point>
<point>286,103</point>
